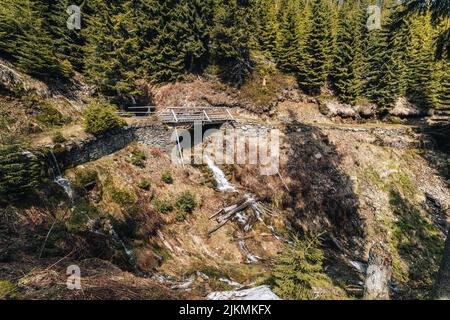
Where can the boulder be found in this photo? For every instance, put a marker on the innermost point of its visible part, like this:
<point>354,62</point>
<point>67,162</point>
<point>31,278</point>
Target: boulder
<point>257,293</point>
<point>405,109</point>
<point>378,274</point>
<point>366,110</point>
<point>333,108</point>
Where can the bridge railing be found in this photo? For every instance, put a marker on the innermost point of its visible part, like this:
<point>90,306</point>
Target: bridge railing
<point>181,115</point>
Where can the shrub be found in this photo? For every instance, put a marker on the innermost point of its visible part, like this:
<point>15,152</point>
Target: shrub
<point>126,228</point>
<point>49,116</point>
<point>82,213</point>
<point>20,173</point>
<point>166,177</point>
<point>99,118</point>
<point>84,178</point>
<point>181,216</point>
<point>299,271</point>
<point>123,198</point>
<point>185,202</point>
<point>144,184</point>
<point>162,206</point>
<point>138,158</point>
<point>58,137</point>
<point>7,289</point>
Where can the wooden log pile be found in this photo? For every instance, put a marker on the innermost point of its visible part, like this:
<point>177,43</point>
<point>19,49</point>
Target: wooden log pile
<point>224,215</point>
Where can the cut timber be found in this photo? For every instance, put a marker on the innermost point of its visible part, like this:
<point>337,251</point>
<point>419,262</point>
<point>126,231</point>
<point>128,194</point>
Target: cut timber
<point>226,214</point>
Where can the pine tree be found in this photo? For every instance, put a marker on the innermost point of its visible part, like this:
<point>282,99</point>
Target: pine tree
<point>269,25</point>
<point>315,63</point>
<point>20,173</point>
<point>299,270</point>
<point>288,39</point>
<point>348,61</point>
<point>68,43</point>
<point>26,41</point>
<point>443,78</point>
<point>384,76</point>
<point>421,82</point>
<point>232,40</point>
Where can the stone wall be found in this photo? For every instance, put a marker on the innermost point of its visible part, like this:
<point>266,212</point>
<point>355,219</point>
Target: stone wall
<point>76,153</point>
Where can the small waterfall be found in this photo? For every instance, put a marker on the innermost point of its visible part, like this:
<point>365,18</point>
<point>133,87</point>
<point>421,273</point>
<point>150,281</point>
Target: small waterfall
<point>59,179</point>
<point>223,184</point>
<point>128,252</point>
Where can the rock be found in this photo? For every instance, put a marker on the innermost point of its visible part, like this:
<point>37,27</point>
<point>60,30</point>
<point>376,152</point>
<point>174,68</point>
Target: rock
<point>333,108</point>
<point>366,110</point>
<point>378,273</point>
<point>257,293</point>
<point>15,82</point>
<point>404,109</point>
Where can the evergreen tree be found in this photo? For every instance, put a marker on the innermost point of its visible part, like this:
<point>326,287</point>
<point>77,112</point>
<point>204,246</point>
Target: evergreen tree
<point>443,78</point>
<point>232,40</point>
<point>315,63</point>
<point>269,25</point>
<point>25,39</point>
<point>20,173</point>
<point>421,67</point>
<point>288,40</point>
<point>299,270</point>
<point>348,61</point>
<point>68,43</point>
<point>382,79</point>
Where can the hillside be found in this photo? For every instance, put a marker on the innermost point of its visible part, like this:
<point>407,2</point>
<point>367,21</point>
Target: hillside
<point>373,183</point>
<point>102,198</point>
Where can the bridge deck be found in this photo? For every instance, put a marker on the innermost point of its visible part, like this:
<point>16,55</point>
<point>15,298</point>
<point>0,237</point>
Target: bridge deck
<point>180,116</point>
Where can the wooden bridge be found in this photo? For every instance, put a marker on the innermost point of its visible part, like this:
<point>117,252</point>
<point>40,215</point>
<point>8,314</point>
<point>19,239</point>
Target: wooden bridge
<point>183,116</point>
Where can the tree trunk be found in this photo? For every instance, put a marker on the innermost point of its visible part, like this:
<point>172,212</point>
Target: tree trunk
<point>442,286</point>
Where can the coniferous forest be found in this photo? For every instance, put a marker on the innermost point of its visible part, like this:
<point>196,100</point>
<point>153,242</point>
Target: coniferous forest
<point>318,41</point>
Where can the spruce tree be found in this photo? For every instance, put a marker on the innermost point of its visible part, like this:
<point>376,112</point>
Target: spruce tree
<point>288,39</point>
<point>315,63</point>
<point>348,60</point>
<point>421,67</point>
<point>232,40</point>
<point>269,25</point>
<point>26,41</point>
<point>443,78</point>
<point>20,173</point>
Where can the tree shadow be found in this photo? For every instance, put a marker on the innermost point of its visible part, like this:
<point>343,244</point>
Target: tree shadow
<point>321,193</point>
<point>419,243</point>
<point>323,201</point>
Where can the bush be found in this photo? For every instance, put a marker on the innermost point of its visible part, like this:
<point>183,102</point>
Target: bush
<point>7,289</point>
<point>144,184</point>
<point>138,158</point>
<point>185,202</point>
<point>20,173</point>
<point>166,177</point>
<point>58,137</point>
<point>99,118</point>
<point>299,271</point>
<point>84,178</point>
<point>181,216</point>
<point>82,213</point>
<point>49,116</point>
<point>123,198</point>
<point>162,206</point>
